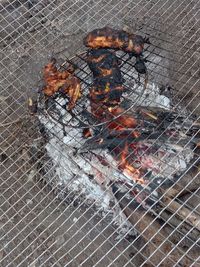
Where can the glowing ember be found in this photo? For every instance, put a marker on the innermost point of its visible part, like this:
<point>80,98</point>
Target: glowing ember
<point>116,110</point>
<point>126,121</point>
<point>121,122</point>
<point>128,169</point>
<point>87,133</point>
<point>124,157</point>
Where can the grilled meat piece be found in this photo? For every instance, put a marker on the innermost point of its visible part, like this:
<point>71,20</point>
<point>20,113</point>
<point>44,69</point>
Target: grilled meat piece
<point>106,93</point>
<point>61,81</point>
<point>116,39</point>
<point>104,65</point>
<point>108,82</point>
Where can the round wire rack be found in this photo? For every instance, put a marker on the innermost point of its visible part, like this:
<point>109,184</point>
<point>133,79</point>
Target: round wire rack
<point>36,229</point>
<point>81,119</point>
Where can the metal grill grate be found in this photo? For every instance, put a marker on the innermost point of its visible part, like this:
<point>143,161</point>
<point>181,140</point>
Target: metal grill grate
<point>42,222</point>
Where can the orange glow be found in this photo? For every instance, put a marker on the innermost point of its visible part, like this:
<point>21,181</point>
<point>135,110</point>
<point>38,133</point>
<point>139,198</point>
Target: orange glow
<point>122,122</point>
<point>134,173</point>
<point>124,156</point>
<point>129,169</point>
<point>115,110</point>
<point>136,134</point>
<point>115,126</point>
<point>126,121</point>
<point>87,132</point>
<point>106,72</point>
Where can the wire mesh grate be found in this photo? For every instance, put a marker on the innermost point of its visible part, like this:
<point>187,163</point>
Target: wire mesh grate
<point>43,223</point>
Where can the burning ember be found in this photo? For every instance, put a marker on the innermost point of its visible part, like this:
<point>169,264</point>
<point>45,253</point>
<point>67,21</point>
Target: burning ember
<point>136,147</point>
<point>128,169</point>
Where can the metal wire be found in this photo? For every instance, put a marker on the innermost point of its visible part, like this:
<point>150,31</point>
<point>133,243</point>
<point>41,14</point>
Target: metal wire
<point>159,9</point>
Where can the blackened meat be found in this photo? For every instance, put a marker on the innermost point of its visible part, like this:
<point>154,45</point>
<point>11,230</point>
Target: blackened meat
<point>108,82</point>
<point>116,39</point>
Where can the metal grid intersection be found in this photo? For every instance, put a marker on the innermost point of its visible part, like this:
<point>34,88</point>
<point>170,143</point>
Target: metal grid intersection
<point>84,74</point>
<point>186,77</point>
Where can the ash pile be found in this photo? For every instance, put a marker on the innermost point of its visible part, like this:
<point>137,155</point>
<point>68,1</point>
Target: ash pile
<point>117,143</point>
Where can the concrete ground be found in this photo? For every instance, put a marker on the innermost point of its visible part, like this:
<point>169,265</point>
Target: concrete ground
<point>35,225</point>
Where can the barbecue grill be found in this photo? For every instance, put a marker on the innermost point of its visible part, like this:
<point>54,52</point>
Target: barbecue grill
<point>109,215</point>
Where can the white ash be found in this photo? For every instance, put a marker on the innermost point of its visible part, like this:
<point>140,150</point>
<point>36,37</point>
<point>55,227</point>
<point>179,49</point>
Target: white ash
<point>73,170</point>
<point>149,97</point>
<point>170,159</point>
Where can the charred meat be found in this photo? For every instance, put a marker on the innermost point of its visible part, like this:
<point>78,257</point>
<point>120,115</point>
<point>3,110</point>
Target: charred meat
<point>115,39</point>
<point>62,81</point>
<point>107,87</point>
